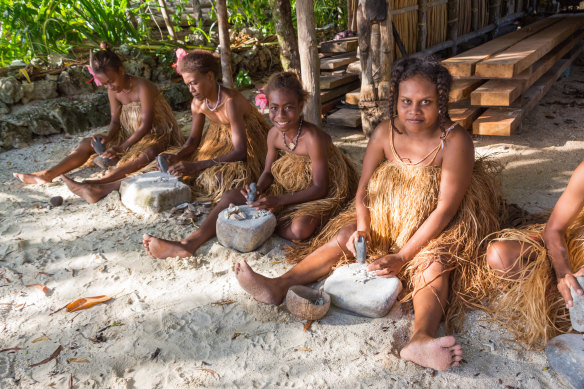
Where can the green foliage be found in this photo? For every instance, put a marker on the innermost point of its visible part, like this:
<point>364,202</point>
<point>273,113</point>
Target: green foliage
<point>243,80</point>
<point>330,11</point>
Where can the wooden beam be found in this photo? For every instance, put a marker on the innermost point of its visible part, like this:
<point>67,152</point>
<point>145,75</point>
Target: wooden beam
<point>461,89</point>
<point>353,97</point>
<point>354,67</point>
<point>465,116</point>
<point>345,117</point>
<point>464,64</point>
<point>332,63</point>
<point>520,56</point>
<point>327,95</point>
<point>340,46</point>
<point>330,82</point>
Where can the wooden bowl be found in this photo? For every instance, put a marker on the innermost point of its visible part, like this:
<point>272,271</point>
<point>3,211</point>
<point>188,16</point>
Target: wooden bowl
<point>307,303</point>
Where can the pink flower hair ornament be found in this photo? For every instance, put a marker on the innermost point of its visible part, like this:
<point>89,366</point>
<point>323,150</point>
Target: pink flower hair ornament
<point>261,101</point>
<point>93,78</point>
<point>180,54</point>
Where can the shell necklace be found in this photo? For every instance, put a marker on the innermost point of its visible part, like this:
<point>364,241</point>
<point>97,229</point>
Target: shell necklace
<point>292,145</point>
<point>218,99</point>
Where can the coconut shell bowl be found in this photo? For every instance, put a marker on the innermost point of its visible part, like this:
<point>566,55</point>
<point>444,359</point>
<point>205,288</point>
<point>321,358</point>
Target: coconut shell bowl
<point>307,303</point>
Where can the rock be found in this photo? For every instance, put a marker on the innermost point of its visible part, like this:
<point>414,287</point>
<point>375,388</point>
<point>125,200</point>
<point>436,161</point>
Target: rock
<point>11,91</point>
<point>245,235</point>
<point>39,90</point>
<point>137,67</point>
<point>565,354</point>
<point>577,310</point>
<point>153,192</point>
<point>13,135</point>
<point>73,81</point>
<point>177,95</point>
<point>353,288</point>
<point>56,201</point>
<point>4,109</point>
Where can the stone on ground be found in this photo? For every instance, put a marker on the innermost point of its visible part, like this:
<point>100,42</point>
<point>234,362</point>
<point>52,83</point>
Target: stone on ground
<point>577,310</point>
<point>355,289</point>
<point>565,354</point>
<point>248,234</point>
<point>153,192</point>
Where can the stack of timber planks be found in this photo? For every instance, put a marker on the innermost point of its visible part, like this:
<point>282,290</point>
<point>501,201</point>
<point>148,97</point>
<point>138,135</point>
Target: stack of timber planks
<point>498,83</point>
<point>335,81</point>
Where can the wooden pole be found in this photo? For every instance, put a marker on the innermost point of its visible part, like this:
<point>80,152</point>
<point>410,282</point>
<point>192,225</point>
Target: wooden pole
<point>167,21</point>
<point>309,61</point>
<point>282,14</point>
<point>423,24</point>
<point>386,55</point>
<point>225,43</point>
<point>197,13</point>
<point>453,25</point>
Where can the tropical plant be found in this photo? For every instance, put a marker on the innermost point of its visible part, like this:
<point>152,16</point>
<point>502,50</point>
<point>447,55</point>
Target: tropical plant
<point>243,80</point>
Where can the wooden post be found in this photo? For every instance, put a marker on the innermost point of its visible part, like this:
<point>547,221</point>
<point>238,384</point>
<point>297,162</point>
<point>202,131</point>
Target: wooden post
<point>423,24</point>
<point>282,14</point>
<point>309,61</point>
<point>387,47</point>
<point>197,13</point>
<point>475,15</point>
<point>225,43</point>
<point>375,52</point>
<point>453,25</point>
<point>167,20</point>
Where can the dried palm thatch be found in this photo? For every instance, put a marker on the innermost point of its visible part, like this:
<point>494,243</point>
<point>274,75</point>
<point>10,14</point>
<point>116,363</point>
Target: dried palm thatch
<point>531,306</point>
<point>437,23</point>
<point>214,181</point>
<point>405,19</point>
<point>164,133</point>
<point>401,197</point>
<point>293,173</point>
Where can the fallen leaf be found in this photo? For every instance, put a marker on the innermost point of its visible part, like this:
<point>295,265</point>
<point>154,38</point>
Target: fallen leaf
<point>45,274</point>
<point>40,287</point>
<point>10,349</point>
<point>224,302</point>
<point>5,303</point>
<point>8,163</point>
<point>304,349</point>
<point>78,360</point>
<point>212,372</point>
<point>235,335</point>
<point>19,307</point>
<point>40,339</point>
<point>276,262</point>
<point>308,324</point>
<point>54,355</point>
<point>52,384</point>
<point>86,302</point>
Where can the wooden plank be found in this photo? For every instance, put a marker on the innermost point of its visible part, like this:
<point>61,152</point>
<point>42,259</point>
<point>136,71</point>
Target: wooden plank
<point>504,92</point>
<point>465,116</point>
<point>464,64</point>
<point>328,95</point>
<point>354,67</point>
<point>504,121</point>
<point>461,89</point>
<point>329,105</point>
<point>345,117</point>
<point>353,97</point>
<point>520,56</point>
<point>344,45</point>
<point>332,63</point>
<point>330,82</point>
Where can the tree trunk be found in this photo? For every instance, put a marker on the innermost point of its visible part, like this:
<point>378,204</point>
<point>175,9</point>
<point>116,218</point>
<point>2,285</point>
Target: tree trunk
<point>224,43</point>
<point>282,14</point>
<point>197,13</point>
<point>167,21</point>
<point>309,61</point>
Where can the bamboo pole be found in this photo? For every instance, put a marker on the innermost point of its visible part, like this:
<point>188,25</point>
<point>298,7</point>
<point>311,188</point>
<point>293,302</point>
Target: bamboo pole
<point>167,21</point>
<point>423,24</point>
<point>309,61</point>
<point>225,43</point>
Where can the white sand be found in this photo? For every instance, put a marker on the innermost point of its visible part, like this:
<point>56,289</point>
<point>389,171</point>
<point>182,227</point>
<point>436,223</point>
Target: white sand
<point>91,250</point>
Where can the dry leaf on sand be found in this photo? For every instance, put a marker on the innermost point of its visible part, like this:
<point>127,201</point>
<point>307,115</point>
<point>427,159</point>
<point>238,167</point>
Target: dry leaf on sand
<point>53,356</point>
<point>40,287</point>
<point>86,302</point>
<point>40,339</point>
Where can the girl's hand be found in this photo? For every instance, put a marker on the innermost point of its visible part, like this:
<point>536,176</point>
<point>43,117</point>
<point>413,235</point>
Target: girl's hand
<point>271,203</point>
<point>569,280</point>
<point>246,190</point>
<point>113,152</point>
<point>388,265</point>
<point>354,237</point>
<point>185,169</point>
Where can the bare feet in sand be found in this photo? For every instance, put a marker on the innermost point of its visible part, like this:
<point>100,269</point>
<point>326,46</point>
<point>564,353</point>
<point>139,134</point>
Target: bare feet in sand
<point>435,353</point>
<point>162,248</point>
<point>88,192</point>
<point>263,289</point>
<point>32,178</point>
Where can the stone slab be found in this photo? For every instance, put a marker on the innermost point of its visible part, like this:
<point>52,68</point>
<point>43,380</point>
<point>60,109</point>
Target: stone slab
<point>577,310</point>
<point>153,192</point>
<point>353,288</point>
<point>565,354</point>
<point>245,235</point>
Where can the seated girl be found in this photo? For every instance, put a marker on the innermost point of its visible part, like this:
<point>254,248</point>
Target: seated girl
<point>142,126</point>
<point>306,179</point>
<point>524,266</point>
<point>422,204</point>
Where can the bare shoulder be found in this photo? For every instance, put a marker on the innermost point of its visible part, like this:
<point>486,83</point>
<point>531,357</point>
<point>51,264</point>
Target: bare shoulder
<point>235,100</point>
<point>459,140</point>
<point>381,132</point>
<point>146,86</point>
<point>196,106</point>
<point>316,136</point>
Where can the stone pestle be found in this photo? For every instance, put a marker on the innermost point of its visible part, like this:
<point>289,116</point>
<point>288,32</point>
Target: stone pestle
<point>253,191</point>
<point>162,164</point>
<point>361,248</point>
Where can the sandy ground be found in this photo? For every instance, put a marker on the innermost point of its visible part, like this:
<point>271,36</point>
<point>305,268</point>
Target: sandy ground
<point>170,333</point>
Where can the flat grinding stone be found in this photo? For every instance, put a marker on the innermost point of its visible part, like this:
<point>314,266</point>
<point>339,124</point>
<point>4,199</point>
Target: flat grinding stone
<point>353,288</point>
<point>565,354</point>
<point>577,310</point>
<point>245,235</point>
<point>153,192</point>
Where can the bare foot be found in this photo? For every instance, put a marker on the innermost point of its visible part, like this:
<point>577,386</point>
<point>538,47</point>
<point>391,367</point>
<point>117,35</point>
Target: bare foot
<point>263,289</point>
<point>88,192</point>
<point>435,353</point>
<point>32,178</point>
<point>162,248</point>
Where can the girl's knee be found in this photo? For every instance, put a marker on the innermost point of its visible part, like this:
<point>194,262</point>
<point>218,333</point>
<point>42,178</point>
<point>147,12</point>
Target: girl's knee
<point>501,256</point>
<point>232,196</point>
<point>300,230</point>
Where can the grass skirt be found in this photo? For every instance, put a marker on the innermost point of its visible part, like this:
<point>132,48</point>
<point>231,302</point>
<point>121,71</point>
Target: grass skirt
<point>401,197</point>
<point>165,131</point>
<point>531,307</point>
<point>214,181</point>
<point>293,173</point>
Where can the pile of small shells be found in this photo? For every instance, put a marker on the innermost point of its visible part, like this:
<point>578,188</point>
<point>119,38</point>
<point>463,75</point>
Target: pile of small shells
<point>234,213</point>
<point>187,213</point>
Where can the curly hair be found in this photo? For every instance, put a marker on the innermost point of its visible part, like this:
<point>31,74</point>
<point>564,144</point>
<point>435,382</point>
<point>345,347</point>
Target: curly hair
<point>199,60</point>
<point>288,81</point>
<point>431,69</point>
<point>105,59</point>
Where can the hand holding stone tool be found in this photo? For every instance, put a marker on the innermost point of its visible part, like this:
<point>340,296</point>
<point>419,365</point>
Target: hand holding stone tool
<point>163,164</point>
<point>253,191</point>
